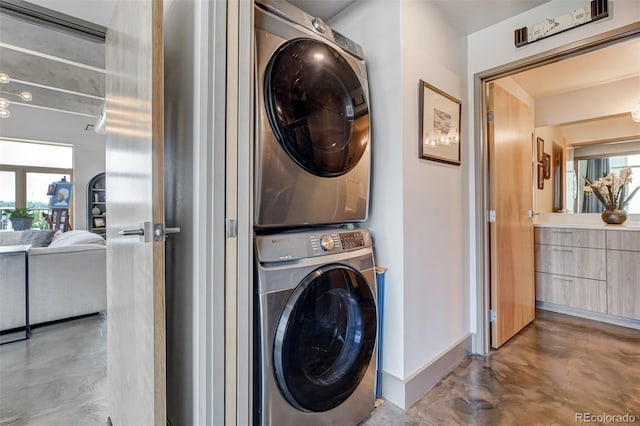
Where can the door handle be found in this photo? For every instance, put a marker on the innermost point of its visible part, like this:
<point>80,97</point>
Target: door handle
<point>160,232</point>
<point>138,231</point>
<point>143,230</point>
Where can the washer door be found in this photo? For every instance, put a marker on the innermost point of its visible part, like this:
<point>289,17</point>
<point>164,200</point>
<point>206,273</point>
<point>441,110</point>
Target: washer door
<point>317,107</point>
<point>325,338</point>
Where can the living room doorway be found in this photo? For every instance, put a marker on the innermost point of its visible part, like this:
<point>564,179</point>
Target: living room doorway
<point>52,84</point>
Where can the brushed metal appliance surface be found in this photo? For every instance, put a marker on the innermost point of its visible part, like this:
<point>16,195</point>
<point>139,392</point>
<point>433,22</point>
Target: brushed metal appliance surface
<point>283,262</point>
<point>287,195</point>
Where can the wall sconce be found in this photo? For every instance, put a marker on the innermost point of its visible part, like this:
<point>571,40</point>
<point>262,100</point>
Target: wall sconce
<point>4,102</point>
<point>635,113</point>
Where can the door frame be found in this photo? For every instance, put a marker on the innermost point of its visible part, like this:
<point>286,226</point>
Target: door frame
<point>238,285</point>
<point>482,338</point>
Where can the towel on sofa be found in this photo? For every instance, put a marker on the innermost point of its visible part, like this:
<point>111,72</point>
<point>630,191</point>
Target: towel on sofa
<point>35,237</point>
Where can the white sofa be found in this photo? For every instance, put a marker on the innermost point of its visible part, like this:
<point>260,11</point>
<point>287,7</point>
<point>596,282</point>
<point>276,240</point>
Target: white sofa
<point>67,277</point>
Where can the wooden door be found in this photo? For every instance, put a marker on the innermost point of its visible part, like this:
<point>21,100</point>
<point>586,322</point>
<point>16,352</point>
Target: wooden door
<point>134,174</point>
<point>511,196</point>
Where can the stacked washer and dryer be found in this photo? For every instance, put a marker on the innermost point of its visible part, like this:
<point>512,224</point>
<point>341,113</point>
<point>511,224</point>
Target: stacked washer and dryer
<point>315,298</point>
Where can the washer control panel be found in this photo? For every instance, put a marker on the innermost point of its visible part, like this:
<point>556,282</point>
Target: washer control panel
<point>290,246</point>
<point>327,243</point>
<point>336,242</point>
<point>351,240</point>
<point>324,243</point>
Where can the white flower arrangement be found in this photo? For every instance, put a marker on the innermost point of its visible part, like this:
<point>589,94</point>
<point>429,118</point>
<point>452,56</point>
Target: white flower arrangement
<point>611,190</point>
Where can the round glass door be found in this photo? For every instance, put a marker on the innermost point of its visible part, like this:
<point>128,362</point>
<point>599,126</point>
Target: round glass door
<point>316,107</point>
<point>325,338</point>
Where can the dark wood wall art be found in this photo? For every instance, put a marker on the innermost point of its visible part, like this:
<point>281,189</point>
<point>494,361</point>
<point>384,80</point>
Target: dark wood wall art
<point>440,118</point>
<point>540,176</point>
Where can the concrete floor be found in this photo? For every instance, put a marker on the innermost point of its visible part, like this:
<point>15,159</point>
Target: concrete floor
<point>555,368</point>
<point>57,377</point>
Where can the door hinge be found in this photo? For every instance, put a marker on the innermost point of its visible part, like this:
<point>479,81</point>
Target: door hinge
<point>493,316</point>
<point>490,116</point>
<point>230,228</point>
<point>491,216</point>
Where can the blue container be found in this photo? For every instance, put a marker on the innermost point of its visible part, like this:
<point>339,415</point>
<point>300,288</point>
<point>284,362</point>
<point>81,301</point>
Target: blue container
<point>380,272</point>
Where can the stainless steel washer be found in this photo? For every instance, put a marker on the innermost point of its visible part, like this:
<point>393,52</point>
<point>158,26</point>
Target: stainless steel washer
<point>316,327</point>
<point>312,142</point>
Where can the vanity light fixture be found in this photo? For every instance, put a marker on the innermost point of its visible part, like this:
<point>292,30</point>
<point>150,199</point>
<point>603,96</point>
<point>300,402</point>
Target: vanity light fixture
<point>635,114</point>
<point>4,102</point>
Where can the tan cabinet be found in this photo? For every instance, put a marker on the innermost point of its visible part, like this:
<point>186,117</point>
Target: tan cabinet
<point>590,238</point>
<point>593,270</point>
<point>623,240</point>
<point>572,261</point>
<point>581,293</point>
<point>571,268</point>
<point>623,274</point>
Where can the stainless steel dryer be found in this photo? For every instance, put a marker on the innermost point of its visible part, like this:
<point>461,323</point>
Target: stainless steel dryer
<point>312,150</point>
<point>315,328</point>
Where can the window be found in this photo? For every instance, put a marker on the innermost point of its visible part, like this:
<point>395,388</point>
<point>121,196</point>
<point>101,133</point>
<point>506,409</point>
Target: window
<point>7,194</point>
<point>613,164</point>
<point>26,170</point>
<point>633,162</point>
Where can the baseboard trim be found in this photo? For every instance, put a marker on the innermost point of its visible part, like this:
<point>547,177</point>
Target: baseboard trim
<point>404,393</point>
<point>44,324</point>
<point>596,316</point>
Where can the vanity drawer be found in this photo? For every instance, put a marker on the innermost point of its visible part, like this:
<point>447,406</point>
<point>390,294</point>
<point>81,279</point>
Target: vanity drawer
<point>623,240</point>
<point>573,261</point>
<point>593,238</point>
<point>581,293</point>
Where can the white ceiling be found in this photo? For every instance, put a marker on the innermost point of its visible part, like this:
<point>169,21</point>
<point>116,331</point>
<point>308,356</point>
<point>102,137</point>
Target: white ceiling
<point>605,65</point>
<point>96,11</point>
<point>325,9</point>
<point>470,16</point>
<point>467,15</point>
<point>62,72</point>
<point>617,62</point>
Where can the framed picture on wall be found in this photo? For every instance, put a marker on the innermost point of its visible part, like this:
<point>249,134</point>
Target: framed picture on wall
<point>540,148</point>
<point>540,176</point>
<point>547,166</point>
<point>440,118</point>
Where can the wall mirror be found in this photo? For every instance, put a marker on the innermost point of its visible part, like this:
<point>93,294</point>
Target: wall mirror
<point>583,112</point>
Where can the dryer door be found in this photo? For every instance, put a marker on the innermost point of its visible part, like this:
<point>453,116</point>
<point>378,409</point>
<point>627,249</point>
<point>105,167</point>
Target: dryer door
<point>325,338</point>
<point>317,107</point>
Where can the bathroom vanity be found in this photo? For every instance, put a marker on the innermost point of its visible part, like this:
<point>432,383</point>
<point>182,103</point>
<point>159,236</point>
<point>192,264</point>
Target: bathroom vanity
<point>589,270</point>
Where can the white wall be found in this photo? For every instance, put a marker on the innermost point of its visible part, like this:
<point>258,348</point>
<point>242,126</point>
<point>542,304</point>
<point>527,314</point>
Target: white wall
<point>382,53</point>
<point>418,206</point>
<point>598,130</point>
<point>50,126</point>
<point>434,205</point>
<point>493,47</point>
<point>618,97</point>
